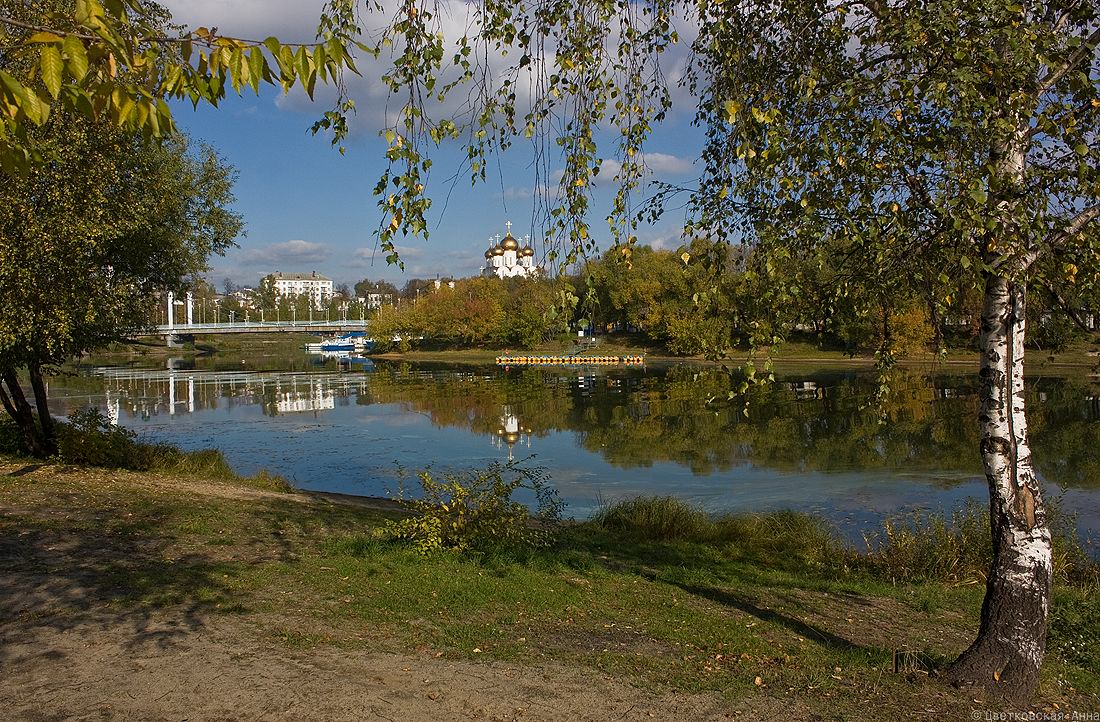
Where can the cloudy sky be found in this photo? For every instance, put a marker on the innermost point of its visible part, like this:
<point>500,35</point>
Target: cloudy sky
<point>307,208</point>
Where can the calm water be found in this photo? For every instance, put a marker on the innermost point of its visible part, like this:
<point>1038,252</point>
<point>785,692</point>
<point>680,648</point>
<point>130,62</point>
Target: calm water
<point>813,442</point>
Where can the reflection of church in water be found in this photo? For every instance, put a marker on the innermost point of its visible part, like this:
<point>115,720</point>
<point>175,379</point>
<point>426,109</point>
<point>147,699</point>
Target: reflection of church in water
<point>511,432</point>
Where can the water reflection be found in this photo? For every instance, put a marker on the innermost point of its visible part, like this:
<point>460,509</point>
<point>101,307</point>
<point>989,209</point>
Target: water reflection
<point>812,440</point>
<point>136,394</point>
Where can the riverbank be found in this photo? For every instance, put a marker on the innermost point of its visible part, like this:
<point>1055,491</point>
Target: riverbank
<point>148,595</point>
<point>263,350</point>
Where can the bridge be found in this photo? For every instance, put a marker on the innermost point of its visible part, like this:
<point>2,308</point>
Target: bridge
<point>194,329</point>
<point>175,332</point>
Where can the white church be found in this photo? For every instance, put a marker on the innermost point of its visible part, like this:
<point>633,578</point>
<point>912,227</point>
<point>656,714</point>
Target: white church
<point>505,258</point>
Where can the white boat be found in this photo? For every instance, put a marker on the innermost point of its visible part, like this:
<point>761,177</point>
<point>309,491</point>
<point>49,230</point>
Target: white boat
<point>341,343</point>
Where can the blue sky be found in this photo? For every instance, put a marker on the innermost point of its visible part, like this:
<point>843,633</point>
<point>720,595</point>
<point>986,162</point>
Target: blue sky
<point>307,208</point>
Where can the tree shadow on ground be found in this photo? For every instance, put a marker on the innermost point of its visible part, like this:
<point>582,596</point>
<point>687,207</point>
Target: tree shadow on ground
<point>59,575</point>
<point>694,569</point>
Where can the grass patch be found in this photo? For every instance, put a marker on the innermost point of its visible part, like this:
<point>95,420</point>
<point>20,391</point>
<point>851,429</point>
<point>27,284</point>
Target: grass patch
<point>652,590</point>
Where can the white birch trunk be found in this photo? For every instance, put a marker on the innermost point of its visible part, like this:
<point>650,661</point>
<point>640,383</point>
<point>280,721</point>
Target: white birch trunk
<point>1009,650</point>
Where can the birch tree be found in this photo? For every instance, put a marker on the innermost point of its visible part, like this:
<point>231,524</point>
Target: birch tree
<point>925,145</point>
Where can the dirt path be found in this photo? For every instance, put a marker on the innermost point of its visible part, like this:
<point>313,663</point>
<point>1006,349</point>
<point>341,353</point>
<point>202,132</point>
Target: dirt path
<point>184,669</point>
<point>68,653</point>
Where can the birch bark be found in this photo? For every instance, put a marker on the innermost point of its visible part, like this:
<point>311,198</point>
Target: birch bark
<point>1007,655</point>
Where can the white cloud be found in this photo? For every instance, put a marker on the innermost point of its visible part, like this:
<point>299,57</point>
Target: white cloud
<point>284,255</point>
<point>296,21</point>
<point>288,20</point>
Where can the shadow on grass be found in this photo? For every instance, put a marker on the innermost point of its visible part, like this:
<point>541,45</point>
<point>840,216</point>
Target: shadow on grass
<point>60,578</point>
<point>710,573</point>
<point>803,629</point>
<point>147,571</point>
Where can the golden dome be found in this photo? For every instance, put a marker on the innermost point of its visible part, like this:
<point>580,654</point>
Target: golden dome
<point>509,243</point>
<point>511,437</point>
<point>497,251</point>
<point>489,253</point>
<point>527,252</point>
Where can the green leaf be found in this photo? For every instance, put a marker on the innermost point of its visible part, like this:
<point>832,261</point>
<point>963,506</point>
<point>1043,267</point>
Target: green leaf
<point>256,65</point>
<point>76,58</point>
<point>52,67</point>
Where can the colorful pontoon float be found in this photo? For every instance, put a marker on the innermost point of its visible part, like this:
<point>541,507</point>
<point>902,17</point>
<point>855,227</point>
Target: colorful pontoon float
<point>570,360</point>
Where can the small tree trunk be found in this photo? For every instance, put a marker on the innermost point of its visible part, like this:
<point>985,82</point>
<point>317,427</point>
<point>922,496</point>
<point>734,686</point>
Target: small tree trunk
<point>45,420</point>
<point>15,403</point>
<point>934,319</point>
<point>1006,657</point>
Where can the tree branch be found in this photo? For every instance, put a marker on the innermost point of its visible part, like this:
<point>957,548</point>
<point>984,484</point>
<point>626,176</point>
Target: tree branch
<point>1082,219</point>
<point>1066,307</point>
<point>1087,48</point>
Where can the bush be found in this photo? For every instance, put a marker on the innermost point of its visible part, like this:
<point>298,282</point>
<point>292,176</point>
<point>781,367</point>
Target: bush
<point>90,439</point>
<point>785,537</point>
<point>927,547</point>
<point>475,510</point>
<point>11,438</point>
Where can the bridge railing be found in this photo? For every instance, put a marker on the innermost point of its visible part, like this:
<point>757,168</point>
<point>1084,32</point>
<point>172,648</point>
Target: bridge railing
<point>257,325</point>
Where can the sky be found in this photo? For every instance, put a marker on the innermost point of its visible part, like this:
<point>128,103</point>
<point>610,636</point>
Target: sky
<point>307,208</point>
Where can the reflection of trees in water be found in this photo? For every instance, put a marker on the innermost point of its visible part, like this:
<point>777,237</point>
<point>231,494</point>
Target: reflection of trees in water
<point>639,417</point>
<point>824,422</point>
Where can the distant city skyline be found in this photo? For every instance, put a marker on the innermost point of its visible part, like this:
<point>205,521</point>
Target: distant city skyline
<point>307,208</point>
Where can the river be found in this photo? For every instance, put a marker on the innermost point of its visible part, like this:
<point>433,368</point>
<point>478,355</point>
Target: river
<point>818,440</point>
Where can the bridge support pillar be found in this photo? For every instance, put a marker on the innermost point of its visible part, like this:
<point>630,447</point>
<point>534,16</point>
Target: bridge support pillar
<point>190,308</point>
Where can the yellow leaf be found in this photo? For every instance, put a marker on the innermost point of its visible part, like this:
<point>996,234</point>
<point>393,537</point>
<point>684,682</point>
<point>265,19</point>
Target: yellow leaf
<point>759,682</point>
<point>580,183</point>
<point>44,37</point>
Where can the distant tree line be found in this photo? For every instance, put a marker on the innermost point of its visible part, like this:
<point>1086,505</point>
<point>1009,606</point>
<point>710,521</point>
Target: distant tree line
<point>701,298</point>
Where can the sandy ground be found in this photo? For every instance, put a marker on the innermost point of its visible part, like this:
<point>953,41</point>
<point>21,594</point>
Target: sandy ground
<point>187,669</point>
<point>66,653</point>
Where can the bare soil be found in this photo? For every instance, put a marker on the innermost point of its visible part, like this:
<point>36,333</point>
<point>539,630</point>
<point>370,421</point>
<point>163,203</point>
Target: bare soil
<point>68,653</point>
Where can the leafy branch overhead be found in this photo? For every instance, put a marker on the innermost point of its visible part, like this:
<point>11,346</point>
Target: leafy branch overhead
<point>113,61</point>
<point>552,73</point>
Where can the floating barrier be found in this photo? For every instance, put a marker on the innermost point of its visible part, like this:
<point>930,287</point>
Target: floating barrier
<point>570,360</point>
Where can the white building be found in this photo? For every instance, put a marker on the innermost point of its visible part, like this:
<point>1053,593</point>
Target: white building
<point>318,288</point>
<point>507,260</point>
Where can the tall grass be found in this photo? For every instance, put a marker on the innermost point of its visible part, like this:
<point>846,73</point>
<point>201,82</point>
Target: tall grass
<point>781,535</point>
<point>922,547</point>
<point>88,438</point>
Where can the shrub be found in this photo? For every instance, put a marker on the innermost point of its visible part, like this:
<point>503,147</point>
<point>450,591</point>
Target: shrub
<point>929,547</point>
<point>475,510</point>
<point>11,439</point>
<point>780,537</point>
<point>90,439</point>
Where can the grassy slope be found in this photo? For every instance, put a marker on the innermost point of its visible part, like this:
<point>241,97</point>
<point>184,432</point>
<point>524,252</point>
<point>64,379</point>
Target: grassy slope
<point>746,620</point>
